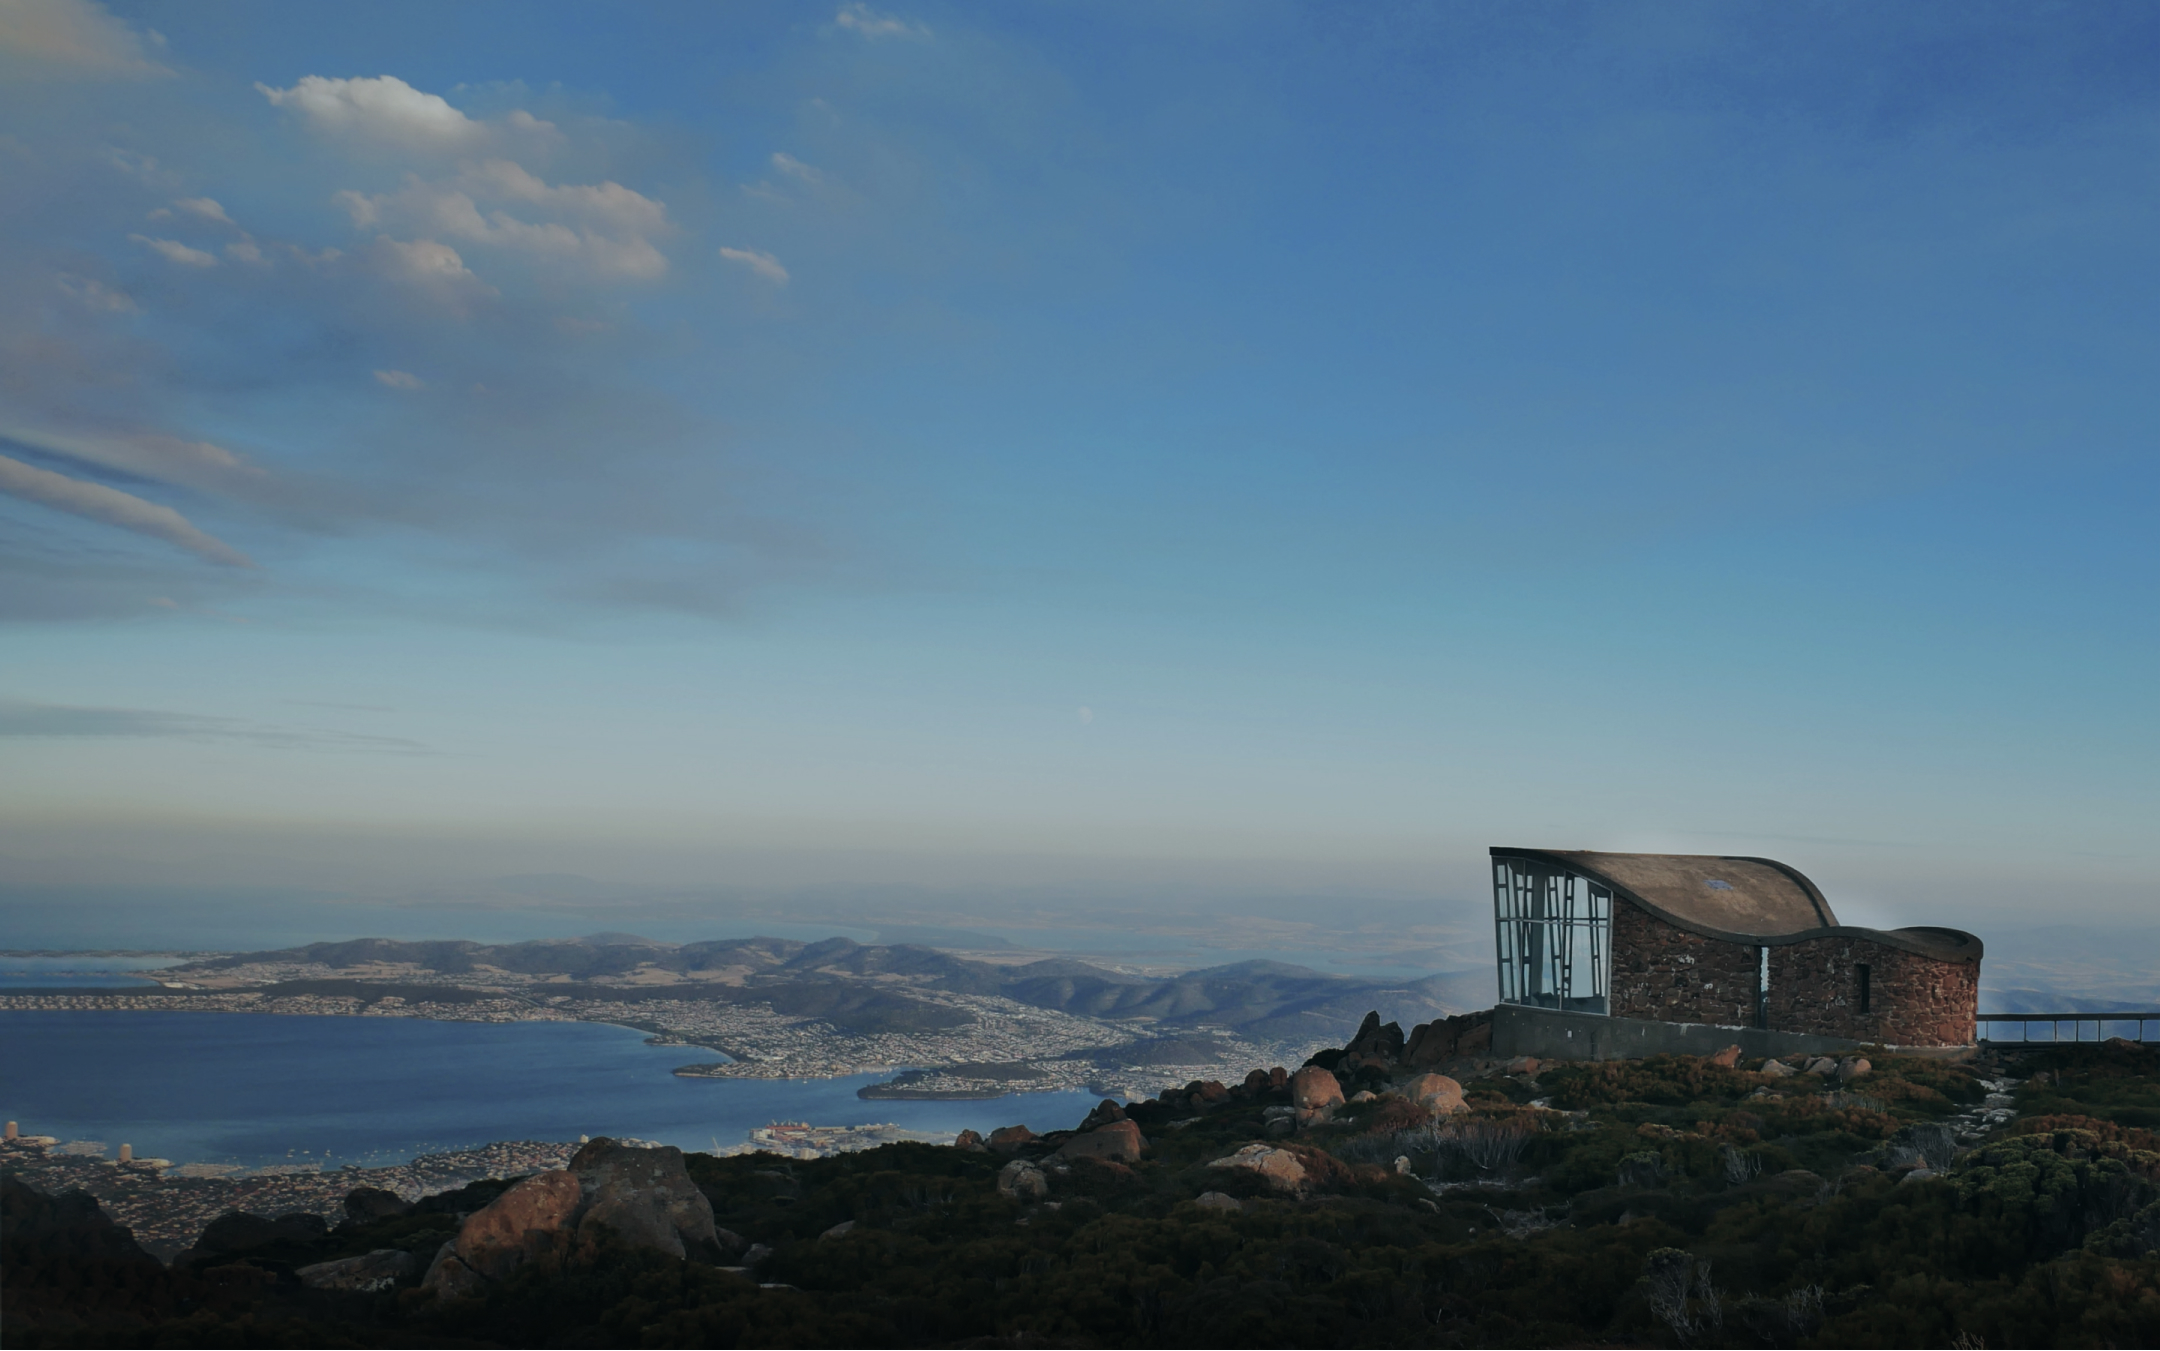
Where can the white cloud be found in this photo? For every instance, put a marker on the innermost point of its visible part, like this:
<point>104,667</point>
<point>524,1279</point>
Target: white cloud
<point>795,168</point>
<point>205,207</point>
<point>95,295</point>
<point>764,264</point>
<point>433,267</point>
<point>96,502</point>
<point>245,250</point>
<point>399,379</point>
<point>74,37</point>
<point>382,108</point>
<point>867,22</point>
<point>605,226</point>
<point>175,251</point>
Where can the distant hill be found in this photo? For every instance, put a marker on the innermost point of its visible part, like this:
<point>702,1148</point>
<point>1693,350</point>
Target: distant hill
<point>1271,1000</point>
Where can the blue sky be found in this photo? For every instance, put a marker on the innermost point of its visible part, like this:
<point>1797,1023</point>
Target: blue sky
<point>1223,448</point>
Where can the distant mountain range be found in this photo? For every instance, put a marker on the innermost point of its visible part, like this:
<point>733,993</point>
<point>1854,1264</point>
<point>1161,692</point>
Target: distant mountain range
<point>865,987</point>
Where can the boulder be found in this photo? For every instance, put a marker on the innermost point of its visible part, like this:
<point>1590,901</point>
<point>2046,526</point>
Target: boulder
<point>1313,1088</point>
<point>237,1231</point>
<point>1278,1077</point>
<point>1120,1141</point>
<point>1436,1093</point>
<point>1364,1095</point>
<point>1727,1058</point>
<point>1105,1112</point>
<point>1852,1067</point>
<point>381,1269</point>
<point>1524,1065</point>
<point>1218,1201</point>
<point>1006,1139</point>
<point>1283,1170</point>
<point>496,1239</point>
<point>1212,1091</point>
<point>1778,1069</point>
<point>971,1142</point>
<point>71,1224</point>
<point>840,1230</point>
<point>1257,1082</point>
<point>1376,1041</point>
<point>366,1205</point>
<point>1822,1065</point>
<point>1022,1181</point>
<point>644,1195</point>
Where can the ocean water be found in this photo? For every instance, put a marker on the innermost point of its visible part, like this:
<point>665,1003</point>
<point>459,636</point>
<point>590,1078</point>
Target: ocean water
<point>81,973</point>
<point>257,1089</point>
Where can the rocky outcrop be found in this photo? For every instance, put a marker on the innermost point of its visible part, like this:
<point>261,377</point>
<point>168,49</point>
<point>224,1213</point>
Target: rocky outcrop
<point>366,1205</point>
<point>382,1269</point>
<point>1459,1038</point>
<point>1007,1139</point>
<point>1022,1181</point>
<point>644,1197</point>
<point>1436,1093</point>
<point>1315,1094</point>
<point>1377,1042</point>
<point>1727,1058</point>
<point>236,1231</point>
<point>71,1224</point>
<point>1218,1201</point>
<point>971,1141</point>
<point>1280,1168</point>
<point>1119,1142</point>
<point>1105,1112</point>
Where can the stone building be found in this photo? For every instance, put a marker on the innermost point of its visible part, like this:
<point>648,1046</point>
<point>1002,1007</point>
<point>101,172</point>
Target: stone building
<point>1730,943</point>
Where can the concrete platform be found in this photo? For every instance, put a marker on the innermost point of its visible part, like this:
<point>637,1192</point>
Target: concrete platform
<point>1550,1034</point>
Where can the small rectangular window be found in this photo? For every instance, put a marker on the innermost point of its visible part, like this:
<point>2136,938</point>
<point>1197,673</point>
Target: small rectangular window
<point>1865,992</point>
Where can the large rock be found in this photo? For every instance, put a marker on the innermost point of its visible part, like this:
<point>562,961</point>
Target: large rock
<point>1312,1088</point>
<point>71,1224</point>
<point>1120,1141</point>
<point>1022,1181</point>
<point>1378,1041</point>
<point>366,1205</point>
<point>1852,1068</point>
<point>1283,1170</point>
<point>236,1231</point>
<point>644,1195</point>
<point>1006,1139</point>
<point>1446,1039</point>
<point>1105,1112</point>
<point>497,1238</point>
<point>1727,1058</point>
<point>971,1141</point>
<point>1778,1069</point>
<point>381,1269</point>
<point>1436,1093</point>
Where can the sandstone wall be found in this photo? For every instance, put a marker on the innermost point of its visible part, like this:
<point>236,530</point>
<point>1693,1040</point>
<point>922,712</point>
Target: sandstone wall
<point>1914,1000</point>
<point>1663,972</point>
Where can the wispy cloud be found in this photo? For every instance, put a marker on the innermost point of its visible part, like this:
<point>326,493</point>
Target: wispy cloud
<point>399,379</point>
<point>764,264</point>
<point>75,38</point>
<point>381,108</point>
<point>866,22</point>
<point>175,251</point>
<point>23,718</point>
<point>96,502</point>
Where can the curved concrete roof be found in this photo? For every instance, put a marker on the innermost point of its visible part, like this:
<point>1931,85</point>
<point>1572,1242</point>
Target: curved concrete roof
<point>1737,899</point>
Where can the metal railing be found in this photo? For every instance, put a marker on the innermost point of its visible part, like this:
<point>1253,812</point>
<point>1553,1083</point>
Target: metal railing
<point>2134,1020</point>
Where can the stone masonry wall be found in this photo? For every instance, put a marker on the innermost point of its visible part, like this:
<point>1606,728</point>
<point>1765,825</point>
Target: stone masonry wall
<point>1663,972</point>
<point>1913,1000</point>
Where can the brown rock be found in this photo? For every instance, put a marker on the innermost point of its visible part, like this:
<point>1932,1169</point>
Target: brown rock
<point>1436,1093</point>
<point>1120,1141</point>
<point>1727,1058</point>
<point>1313,1088</point>
<point>1777,1069</point>
<point>365,1205</point>
<point>1278,1077</point>
<point>1213,1091</point>
<point>1364,1095</point>
<point>1446,1039</point>
<point>970,1141</point>
<point>1006,1139</point>
<point>497,1238</point>
<point>1257,1082</point>
<point>1852,1068</point>
<point>1524,1065</point>
<point>1105,1112</point>
<point>1282,1169</point>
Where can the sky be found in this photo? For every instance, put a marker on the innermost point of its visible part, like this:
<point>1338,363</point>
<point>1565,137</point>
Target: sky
<point>1196,455</point>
